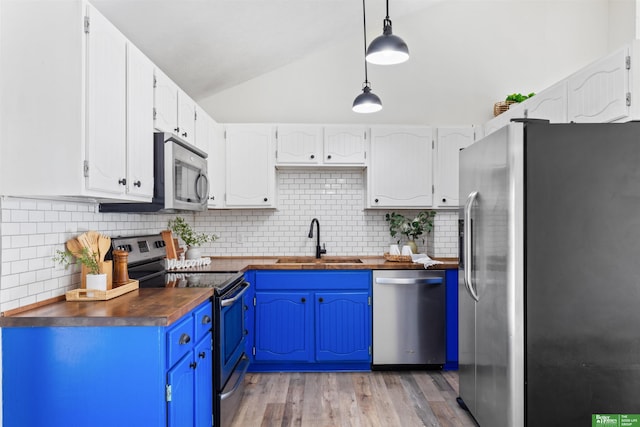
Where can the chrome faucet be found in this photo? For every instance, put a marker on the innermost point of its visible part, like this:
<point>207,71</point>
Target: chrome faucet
<point>319,251</point>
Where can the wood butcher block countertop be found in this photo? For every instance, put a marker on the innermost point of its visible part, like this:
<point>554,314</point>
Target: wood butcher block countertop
<point>163,306</point>
<point>142,307</point>
<point>220,264</point>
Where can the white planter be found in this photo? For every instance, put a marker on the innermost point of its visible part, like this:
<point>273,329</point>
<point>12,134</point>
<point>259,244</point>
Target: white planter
<point>96,281</point>
<point>193,253</point>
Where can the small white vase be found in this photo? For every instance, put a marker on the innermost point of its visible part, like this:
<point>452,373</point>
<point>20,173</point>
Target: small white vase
<point>96,281</point>
<point>193,253</point>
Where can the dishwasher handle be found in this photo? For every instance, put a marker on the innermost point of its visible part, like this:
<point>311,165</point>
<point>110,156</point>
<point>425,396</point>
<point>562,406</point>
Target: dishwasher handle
<point>409,280</point>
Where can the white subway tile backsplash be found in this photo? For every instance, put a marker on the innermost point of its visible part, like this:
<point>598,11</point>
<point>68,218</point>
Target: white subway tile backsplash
<point>32,230</point>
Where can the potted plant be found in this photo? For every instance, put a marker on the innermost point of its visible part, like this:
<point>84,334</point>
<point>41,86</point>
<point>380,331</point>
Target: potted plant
<point>190,238</point>
<point>412,228</point>
<point>94,278</point>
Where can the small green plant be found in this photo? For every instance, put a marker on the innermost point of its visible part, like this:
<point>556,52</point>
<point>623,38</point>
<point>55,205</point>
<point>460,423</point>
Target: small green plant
<point>190,238</point>
<point>412,228</point>
<point>518,97</point>
<point>86,258</point>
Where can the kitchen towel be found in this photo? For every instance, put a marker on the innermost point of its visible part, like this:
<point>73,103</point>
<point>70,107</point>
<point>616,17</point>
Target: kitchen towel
<point>424,260</point>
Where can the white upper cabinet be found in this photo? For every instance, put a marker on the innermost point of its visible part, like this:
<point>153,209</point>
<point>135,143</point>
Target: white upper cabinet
<point>186,117</point>
<point>317,145</point>
<point>449,142</point>
<point>217,166</point>
<point>203,129</point>
<point>65,104</point>
<point>600,92</point>
<point>106,105</point>
<point>400,167</point>
<point>299,145</point>
<point>165,103</point>
<point>250,169</point>
<point>550,104</point>
<point>345,145</point>
<point>139,124</point>
<point>175,111</point>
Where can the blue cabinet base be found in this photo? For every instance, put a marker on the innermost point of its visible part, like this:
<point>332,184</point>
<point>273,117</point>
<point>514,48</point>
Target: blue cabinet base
<point>310,367</point>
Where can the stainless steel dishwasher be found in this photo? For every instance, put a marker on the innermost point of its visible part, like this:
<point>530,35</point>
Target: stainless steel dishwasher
<point>408,318</point>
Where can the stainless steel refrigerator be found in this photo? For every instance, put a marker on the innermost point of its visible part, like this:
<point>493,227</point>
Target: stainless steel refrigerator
<point>549,301</point>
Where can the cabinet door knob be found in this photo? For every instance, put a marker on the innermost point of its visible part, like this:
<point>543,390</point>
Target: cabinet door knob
<point>137,184</point>
<point>206,319</point>
<point>321,299</point>
<point>376,200</point>
<point>193,365</point>
<point>177,129</point>
<point>313,156</point>
<point>122,181</point>
<point>184,134</point>
<point>202,355</point>
<point>303,299</point>
<point>444,200</point>
<point>266,199</point>
<point>184,339</point>
<point>329,157</point>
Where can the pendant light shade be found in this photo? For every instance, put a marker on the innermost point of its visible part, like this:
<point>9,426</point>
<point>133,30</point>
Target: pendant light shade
<point>387,49</point>
<point>367,101</point>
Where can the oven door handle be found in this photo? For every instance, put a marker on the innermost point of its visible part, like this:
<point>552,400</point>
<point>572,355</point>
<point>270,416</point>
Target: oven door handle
<point>225,302</point>
<point>245,368</point>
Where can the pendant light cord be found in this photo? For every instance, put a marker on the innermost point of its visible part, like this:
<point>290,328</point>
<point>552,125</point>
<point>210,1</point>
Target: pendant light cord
<point>364,19</point>
<point>387,9</point>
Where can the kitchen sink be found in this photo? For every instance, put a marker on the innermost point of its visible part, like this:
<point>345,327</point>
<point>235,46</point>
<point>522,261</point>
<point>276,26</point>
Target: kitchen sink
<point>313,260</point>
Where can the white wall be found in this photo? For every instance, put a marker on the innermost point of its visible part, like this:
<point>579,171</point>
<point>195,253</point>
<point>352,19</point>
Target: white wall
<point>465,55</point>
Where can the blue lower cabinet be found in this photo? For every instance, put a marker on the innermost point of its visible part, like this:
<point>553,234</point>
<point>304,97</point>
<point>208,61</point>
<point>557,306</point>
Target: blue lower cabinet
<point>343,326</point>
<point>284,326</point>
<point>105,376</point>
<point>312,321</point>
<point>452,319</point>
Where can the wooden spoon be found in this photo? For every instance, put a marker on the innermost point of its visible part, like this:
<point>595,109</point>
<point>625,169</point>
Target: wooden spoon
<point>75,247</point>
<point>92,238</point>
<point>104,243</point>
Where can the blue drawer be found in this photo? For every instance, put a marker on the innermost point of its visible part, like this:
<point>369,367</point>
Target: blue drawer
<point>180,340</point>
<point>203,319</point>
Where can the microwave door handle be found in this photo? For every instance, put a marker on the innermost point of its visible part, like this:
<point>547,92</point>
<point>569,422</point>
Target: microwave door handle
<point>205,193</point>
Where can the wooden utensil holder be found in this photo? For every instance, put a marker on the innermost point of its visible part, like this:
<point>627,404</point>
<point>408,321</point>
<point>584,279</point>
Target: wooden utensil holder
<point>106,267</point>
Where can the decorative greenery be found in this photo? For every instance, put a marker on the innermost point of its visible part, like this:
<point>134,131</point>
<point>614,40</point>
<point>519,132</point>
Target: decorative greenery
<point>412,228</point>
<point>86,258</point>
<point>518,97</point>
<point>186,233</point>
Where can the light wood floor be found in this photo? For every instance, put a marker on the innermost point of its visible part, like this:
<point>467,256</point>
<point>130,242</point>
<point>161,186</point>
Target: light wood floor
<point>384,399</point>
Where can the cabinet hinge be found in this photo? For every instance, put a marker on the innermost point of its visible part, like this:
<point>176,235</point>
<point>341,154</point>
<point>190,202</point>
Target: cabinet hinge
<point>370,351</point>
<point>195,115</point>
<point>627,62</point>
<point>276,154</point>
<point>85,169</point>
<point>155,82</point>
<point>86,25</point>
<point>433,189</point>
<point>628,99</point>
<point>276,133</point>
<point>368,300</point>
<point>167,392</point>
<point>254,301</point>
<point>154,113</point>
<point>225,134</point>
<point>253,351</point>
<point>365,135</point>
<point>433,144</point>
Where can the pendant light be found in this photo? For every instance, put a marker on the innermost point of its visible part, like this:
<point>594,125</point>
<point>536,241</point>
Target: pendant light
<point>387,49</point>
<point>367,101</point>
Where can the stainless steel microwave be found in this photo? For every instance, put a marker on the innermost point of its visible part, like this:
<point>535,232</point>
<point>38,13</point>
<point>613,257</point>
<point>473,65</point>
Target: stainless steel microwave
<point>180,178</point>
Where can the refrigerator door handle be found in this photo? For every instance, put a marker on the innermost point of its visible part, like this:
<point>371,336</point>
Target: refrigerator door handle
<point>468,245</point>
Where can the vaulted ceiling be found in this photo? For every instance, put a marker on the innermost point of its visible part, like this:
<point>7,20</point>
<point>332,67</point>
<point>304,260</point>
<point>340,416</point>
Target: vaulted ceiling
<point>209,45</point>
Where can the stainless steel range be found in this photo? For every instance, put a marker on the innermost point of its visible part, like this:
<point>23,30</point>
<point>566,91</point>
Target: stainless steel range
<point>146,263</point>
